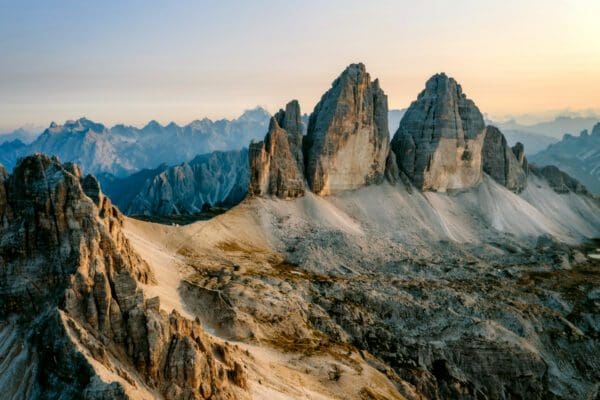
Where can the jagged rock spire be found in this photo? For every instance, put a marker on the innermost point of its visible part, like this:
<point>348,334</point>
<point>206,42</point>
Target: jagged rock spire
<point>276,163</point>
<point>347,141</point>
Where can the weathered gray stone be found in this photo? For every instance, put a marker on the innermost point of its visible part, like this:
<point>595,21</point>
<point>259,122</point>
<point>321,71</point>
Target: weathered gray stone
<point>291,121</point>
<point>438,144</point>
<point>275,163</point>
<point>347,140</point>
<point>503,163</point>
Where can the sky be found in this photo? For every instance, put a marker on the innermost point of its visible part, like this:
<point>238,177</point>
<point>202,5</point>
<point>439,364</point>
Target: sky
<point>133,61</point>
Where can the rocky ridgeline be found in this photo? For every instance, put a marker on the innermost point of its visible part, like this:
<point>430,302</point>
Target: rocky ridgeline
<point>346,145</point>
<point>71,304</point>
<point>442,144</point>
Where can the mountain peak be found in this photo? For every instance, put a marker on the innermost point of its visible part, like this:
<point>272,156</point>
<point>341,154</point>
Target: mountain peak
<point>438,142</point>
<point>257,113</point>
<point>152,125</point>
<point>350,119</point>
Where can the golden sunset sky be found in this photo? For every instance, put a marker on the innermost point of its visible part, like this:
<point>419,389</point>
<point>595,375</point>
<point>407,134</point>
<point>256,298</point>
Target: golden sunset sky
<point>132,61</point>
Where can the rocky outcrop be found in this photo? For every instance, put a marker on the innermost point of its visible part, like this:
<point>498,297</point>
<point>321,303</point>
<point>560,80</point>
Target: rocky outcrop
<point>347,139</point>
<point>503,163</point>
<point>438,144</point>
<point>72,305</point>
<point>276,164</point>
<point>558,180</point>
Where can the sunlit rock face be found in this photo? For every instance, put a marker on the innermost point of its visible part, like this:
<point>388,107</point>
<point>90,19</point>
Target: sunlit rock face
<point>503,163</point>
<point>347,141</point>
<point>72,307</point>
<point>438,143</point>
<point>276,163</point>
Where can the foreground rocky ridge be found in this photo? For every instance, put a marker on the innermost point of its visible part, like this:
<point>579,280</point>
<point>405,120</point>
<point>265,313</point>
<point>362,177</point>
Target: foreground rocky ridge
<point>72,308</point>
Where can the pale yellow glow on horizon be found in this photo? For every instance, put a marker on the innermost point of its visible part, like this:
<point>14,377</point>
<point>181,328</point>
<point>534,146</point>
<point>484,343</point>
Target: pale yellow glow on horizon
<point>511,57</point>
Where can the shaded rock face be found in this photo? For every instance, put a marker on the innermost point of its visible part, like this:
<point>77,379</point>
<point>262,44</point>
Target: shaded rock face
<point>438,144</point>
<point>215,179</point>
<point>347,140</point>
<point>503,163</point>
<point>290,120</point>
<point>71,304</point>
<point>276,163</point>
<point>558,180</point>
<point>578,156</point>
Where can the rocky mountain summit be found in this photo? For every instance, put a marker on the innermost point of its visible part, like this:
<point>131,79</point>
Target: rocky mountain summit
<point>215,179</point>
<point>441,143</point>
<point>277,163</point>
<point>74,320</point>
<point>439,140</point>
<point>347,140</point>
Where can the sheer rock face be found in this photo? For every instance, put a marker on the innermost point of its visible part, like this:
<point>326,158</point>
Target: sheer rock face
<point>276,163</point>
<point>438,143</point>
<point>70,291</point>
<point>347,141</point>
<point>503,163</point>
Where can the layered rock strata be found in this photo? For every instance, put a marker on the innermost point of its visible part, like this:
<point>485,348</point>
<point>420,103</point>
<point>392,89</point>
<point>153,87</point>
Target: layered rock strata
<point>347,140</point>
<point>438,143</point>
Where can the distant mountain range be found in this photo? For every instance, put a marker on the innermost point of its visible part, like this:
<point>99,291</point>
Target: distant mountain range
<point>537,137</point>
<point>218,178</point>
<point>123,150</point>
<point>25,134</point>
<point>555,128</point>
<point>579,156</point>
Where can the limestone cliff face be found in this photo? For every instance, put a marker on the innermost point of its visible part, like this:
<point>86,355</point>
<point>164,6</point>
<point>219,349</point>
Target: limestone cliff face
<point>347,141</point>
<point>438,143</point>
<point>503,163</point>
<point>72,306</point>
<point>276,163</point>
